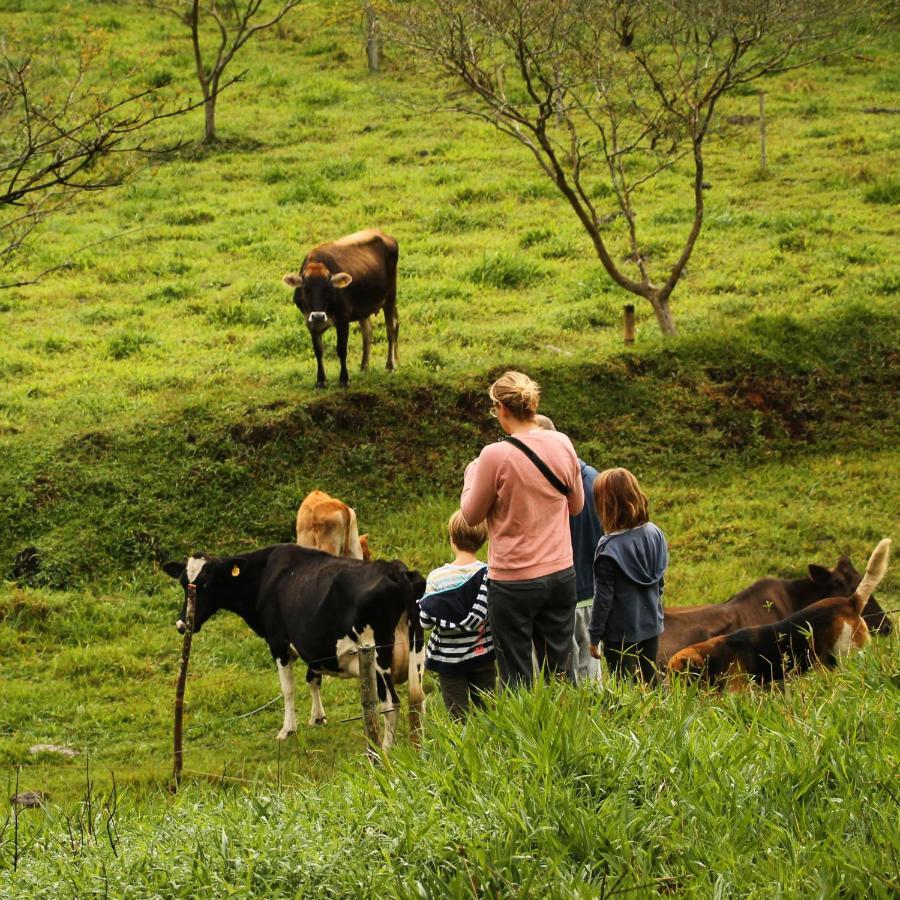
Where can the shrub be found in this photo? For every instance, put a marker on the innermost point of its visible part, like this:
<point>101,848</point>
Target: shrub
<point>274,174</point>
<point>501,271</point>
<point>310,190</point>
<point>160,79</point>
<point>535,236</point>
<point>451,219</point>
<point>190,217</point>
<point>128,343</point>
<point>230,314</point>
<point>887,191</point>
<point>344,169</point>
<point>792,242</point>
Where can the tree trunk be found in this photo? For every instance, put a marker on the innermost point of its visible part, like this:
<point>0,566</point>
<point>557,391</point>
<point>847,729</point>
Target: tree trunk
<point>209,114</point>
<point>663,314</point>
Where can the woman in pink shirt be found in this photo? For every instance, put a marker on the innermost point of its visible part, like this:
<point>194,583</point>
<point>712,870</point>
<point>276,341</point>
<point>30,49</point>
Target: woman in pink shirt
<point>525,487</point>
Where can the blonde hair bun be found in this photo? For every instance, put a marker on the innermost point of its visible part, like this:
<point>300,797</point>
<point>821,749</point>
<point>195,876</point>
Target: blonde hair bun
<point>518,393</point>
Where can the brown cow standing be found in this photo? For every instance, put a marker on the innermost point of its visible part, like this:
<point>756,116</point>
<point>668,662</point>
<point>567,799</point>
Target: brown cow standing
<point>344,281</point>
<point>324,523</point>
<point>766,601</point>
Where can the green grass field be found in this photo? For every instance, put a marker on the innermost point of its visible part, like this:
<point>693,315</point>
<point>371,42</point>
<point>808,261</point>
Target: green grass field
<point>156,398</point>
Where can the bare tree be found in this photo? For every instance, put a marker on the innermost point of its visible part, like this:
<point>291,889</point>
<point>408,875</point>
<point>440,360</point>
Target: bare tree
<point>609,94</point>
<point>64,136</point>
<point>231,24</point>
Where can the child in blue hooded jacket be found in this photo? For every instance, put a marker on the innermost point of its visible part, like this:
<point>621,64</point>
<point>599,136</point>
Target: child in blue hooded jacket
<point>629,575</point>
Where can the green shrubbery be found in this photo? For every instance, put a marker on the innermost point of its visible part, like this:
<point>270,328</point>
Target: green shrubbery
<point>556,793</point>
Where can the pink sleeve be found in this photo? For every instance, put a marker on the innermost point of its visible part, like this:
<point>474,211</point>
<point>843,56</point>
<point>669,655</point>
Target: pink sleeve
<point>479,489</point>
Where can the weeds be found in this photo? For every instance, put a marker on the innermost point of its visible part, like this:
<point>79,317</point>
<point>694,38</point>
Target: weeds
<point>504,272</point>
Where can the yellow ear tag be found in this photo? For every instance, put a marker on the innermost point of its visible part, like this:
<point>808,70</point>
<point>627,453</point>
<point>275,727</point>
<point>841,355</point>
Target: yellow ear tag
<point>235,572</point>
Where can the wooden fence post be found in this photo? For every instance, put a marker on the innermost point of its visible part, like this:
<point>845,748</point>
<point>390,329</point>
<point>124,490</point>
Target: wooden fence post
<point>178,761</point>
<point>369,697</point>
<point>373,37</point>
<point>762,130</point>
<point>629,323</point>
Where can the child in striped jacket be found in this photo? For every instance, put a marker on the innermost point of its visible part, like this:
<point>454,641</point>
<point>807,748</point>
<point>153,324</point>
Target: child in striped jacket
<point>454,606</point>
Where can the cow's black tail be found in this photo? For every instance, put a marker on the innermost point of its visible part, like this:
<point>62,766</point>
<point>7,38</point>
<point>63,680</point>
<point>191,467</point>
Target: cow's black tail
<point>416,639</point>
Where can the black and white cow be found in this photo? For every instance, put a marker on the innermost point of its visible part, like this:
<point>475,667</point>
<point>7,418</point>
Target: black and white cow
<point>320,608</point>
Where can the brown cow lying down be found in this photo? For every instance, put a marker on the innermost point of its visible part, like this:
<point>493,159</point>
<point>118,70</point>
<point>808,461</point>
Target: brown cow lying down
<point>819,635</point>
<point>324,523</point>
<point>764,602</point>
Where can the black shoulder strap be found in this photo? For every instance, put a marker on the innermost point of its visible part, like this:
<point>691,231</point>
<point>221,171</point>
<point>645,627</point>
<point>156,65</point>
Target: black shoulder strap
<point>542,466</point>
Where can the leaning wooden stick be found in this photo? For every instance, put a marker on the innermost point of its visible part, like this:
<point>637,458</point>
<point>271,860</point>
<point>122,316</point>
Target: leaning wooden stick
<point>368,697</point>
<point>182,679</point>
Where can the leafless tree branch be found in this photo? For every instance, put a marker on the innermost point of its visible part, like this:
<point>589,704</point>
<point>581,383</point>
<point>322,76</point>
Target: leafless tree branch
<point>63,136</point>
<point>608,94</point>
<point>233,26</point>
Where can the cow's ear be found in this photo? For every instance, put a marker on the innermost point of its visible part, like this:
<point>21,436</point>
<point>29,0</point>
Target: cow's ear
<point>820,575</point>
<point>844,565</point>
<point>292,279</point>
<point>341,280</point>
<point>175,569</point>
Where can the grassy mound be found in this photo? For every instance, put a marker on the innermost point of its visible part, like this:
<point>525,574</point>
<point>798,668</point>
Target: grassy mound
<point>204,478</point>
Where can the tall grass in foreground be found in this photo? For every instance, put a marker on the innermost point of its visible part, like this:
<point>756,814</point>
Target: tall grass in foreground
<point>556,793</point>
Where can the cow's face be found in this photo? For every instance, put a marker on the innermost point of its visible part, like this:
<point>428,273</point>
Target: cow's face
<point>842,581</point>
<point>314,293</point>
<point>211,577</point>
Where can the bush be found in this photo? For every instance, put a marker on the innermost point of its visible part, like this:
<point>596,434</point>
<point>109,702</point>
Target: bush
<point>344,169</point>
<point>190,217</point>
<point>310,190</point>
<point>230,314</point>
<point>128,343</point>
<point>504,272</point>
<point>884,192</point>
<point>450,219</point>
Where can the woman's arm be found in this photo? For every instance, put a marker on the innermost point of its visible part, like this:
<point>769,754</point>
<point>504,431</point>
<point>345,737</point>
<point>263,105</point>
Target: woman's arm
<point>575,497</point>
<point>479,489</point>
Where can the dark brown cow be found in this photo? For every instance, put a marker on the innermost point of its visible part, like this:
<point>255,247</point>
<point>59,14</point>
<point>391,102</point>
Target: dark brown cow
<point>348,280</point>
<point>820,635</point>
<point>764,602</point>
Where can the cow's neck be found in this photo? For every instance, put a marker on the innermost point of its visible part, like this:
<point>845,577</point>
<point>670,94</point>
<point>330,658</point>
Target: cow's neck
<point>248,613</point>
<point>244,600</point>
<point>803,591</point>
